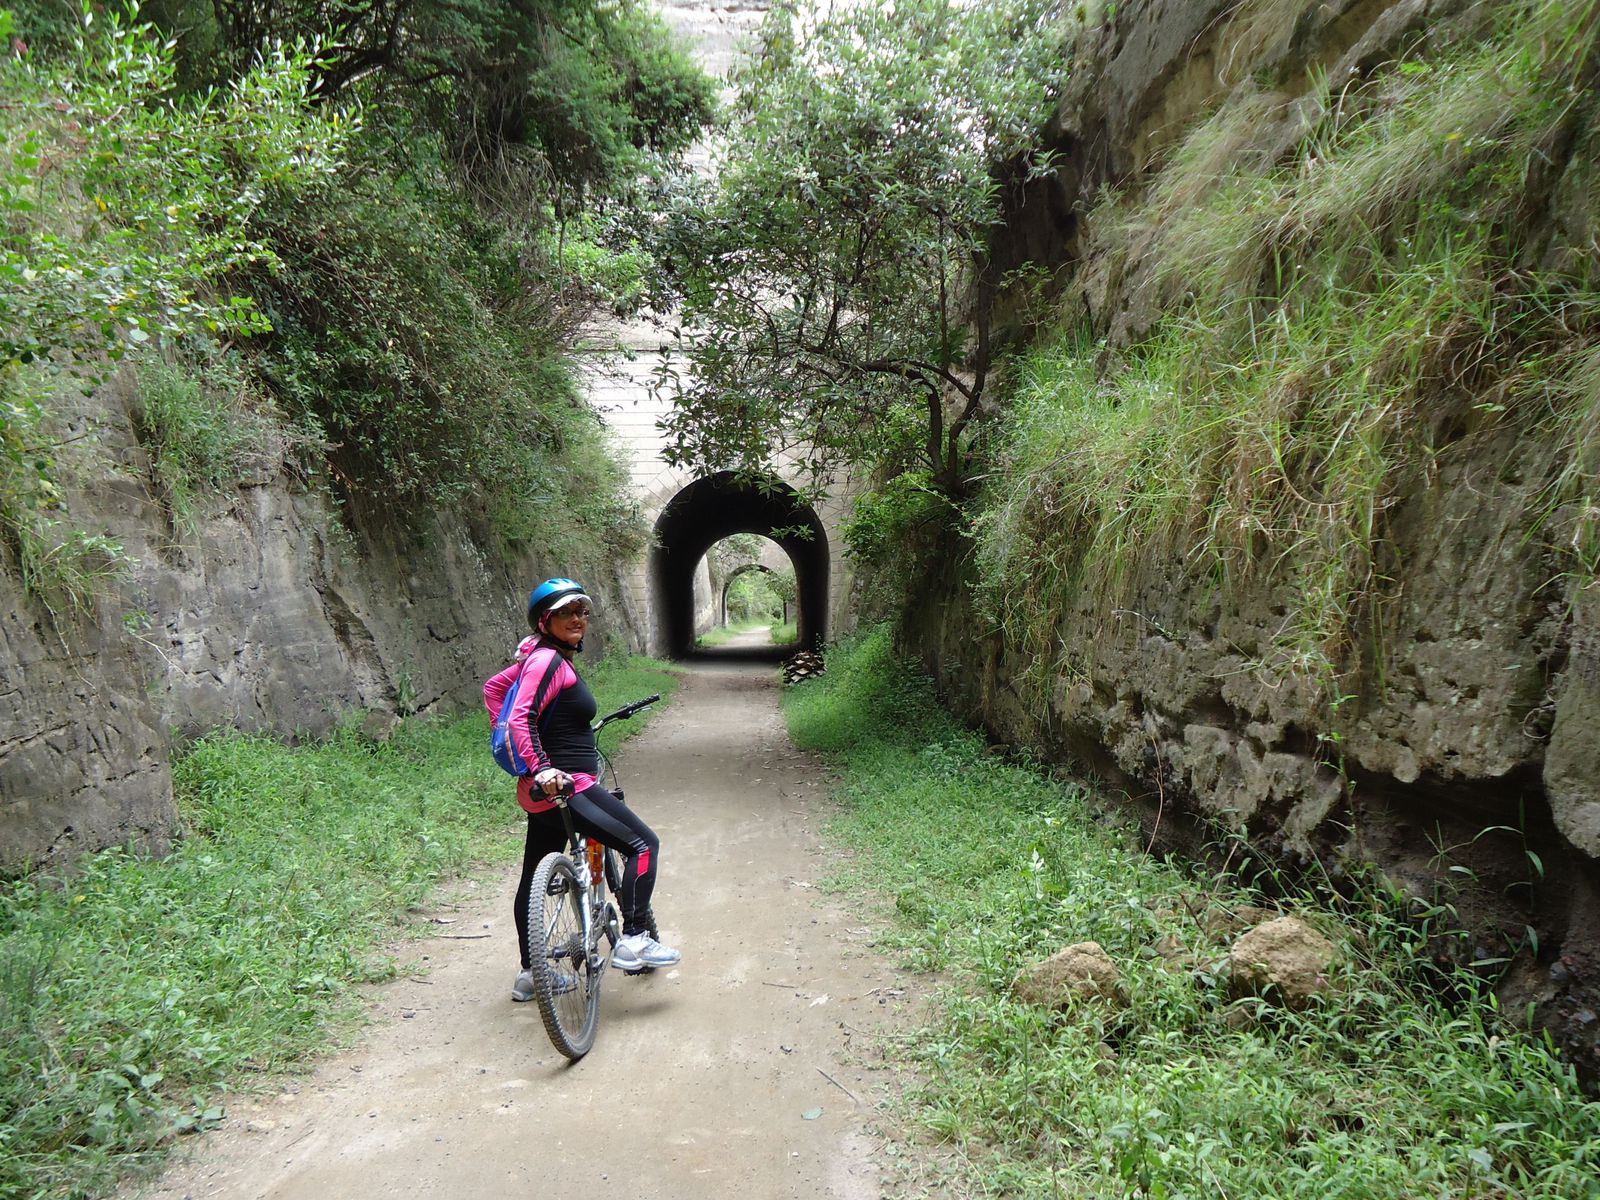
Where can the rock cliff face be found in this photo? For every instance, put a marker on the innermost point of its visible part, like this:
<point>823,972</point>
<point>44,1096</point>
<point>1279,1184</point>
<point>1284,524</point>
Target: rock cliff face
<point>1464,760</point>
<point>270,612</point>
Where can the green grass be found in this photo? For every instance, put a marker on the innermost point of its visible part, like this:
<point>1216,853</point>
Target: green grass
<point>1327,328</point>
<point>721,635</point>
<point>135,991</point>
<point>782,635</point>
<point>1382,1091</point>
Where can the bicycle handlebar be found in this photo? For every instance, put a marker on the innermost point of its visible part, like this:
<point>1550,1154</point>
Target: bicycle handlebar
<point>626,711</point>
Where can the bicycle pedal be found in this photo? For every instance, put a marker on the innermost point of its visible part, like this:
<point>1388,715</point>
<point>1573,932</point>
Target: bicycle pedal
<point>636,970</point>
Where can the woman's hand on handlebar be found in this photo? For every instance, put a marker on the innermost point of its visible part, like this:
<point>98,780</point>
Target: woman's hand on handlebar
<point>552,781</point>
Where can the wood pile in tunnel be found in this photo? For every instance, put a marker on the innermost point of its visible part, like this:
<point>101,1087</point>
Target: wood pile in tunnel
<point>797,668</point>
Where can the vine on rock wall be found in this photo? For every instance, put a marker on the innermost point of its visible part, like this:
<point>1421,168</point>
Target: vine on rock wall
<point>127,212</point>
<point>1416,275</point>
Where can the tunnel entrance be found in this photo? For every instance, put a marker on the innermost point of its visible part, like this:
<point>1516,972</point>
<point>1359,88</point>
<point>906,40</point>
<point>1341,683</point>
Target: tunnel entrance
<point>710,509</point>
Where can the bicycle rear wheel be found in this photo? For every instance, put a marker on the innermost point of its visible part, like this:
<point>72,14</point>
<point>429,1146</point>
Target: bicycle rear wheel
<point>566,976</point>
<point>647,919</point>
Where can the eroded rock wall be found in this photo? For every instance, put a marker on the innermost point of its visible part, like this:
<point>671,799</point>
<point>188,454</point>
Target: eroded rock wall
<point>1462,755</point>
<point>268,610</point>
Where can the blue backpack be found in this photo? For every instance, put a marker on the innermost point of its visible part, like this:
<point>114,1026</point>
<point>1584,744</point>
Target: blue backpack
<point>501,744</point>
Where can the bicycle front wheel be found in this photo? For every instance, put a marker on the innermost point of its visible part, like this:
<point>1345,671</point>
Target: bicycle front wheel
<point>566,975</point>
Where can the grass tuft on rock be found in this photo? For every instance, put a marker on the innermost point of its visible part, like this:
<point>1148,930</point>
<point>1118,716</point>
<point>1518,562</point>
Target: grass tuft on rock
<point>1336,295</point>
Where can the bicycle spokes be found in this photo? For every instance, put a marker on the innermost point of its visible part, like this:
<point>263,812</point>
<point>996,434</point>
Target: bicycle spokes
<point>566,972</point>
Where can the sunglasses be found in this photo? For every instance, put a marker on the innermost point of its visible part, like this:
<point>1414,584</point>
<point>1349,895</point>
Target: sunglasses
<point>569,613</point>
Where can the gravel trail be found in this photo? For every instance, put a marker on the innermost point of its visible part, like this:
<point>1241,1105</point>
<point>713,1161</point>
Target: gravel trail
<point>750,1070</point>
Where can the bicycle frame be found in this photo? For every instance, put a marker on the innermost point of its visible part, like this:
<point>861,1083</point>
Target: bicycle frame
<point>584,873</point>
<point>589,856</point>
<point>589,859</point>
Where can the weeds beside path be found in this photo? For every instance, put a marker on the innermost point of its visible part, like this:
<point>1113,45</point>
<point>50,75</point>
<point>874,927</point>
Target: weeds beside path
<point>132,992</point>
<point>1383,1090</point>
<point>743,1072</point>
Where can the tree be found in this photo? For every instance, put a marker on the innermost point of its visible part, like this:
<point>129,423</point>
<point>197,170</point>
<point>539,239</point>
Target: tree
<point>835,294</point>
<point>588,88</point>
<point>751,597</point>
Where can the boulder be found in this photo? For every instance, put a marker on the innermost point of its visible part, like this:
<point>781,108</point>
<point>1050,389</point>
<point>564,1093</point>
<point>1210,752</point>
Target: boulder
<point>379,727</point>
<point>1223,923</point>
<point>1284,959</point>
<point>1082,971</point>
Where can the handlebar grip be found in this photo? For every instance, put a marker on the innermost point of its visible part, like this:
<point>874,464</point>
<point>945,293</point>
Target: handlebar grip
<point>626,711</point>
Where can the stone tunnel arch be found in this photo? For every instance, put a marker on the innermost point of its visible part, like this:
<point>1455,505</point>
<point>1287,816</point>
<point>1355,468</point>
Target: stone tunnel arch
<point>727,587</point>
<point>712,508</point>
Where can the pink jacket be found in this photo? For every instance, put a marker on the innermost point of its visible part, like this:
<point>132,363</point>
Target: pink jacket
<point>524,723</point>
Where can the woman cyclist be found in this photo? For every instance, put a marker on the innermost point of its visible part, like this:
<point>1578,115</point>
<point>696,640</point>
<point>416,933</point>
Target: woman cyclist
<point>550,723</point>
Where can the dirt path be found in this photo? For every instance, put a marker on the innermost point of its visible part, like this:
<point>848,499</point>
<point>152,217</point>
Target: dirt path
<point>747,1071</point>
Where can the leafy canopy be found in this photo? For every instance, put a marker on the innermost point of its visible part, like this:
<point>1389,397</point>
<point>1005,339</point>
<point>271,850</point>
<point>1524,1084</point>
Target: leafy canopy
<point>583,94</point>
<point>833,281</point>
<point>128,213</point>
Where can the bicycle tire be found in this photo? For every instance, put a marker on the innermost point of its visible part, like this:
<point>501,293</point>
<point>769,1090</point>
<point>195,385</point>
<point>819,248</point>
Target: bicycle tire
<point>614,883</point>
<point>556,951</point>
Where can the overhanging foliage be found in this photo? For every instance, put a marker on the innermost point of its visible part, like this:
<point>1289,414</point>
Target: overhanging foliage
<point>835,301</point>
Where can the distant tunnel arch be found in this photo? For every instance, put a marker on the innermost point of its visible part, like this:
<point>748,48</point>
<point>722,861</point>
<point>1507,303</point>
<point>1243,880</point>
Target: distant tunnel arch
<point>714,507</point>
<point>727,589</point>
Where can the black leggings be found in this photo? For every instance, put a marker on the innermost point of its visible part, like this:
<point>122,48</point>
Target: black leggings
<point>596,814</point>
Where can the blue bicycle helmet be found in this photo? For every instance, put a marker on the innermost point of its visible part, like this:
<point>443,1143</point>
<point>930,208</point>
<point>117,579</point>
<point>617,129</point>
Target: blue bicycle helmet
<point>550,593</point>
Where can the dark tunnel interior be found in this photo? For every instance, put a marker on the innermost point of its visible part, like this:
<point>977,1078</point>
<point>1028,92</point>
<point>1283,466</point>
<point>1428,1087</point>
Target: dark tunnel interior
<point>711,509</point>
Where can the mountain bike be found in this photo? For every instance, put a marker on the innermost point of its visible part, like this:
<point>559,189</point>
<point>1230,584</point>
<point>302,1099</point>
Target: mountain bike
<point>573,926</point>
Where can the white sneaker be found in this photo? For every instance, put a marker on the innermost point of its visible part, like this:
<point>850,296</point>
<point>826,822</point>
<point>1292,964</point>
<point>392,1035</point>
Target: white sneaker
<point>639,950</point>
<point>522,986</point>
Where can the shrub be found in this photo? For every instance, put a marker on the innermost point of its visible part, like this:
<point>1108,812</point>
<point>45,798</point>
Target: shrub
<point>411,334</point>
<point>126,210</point>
